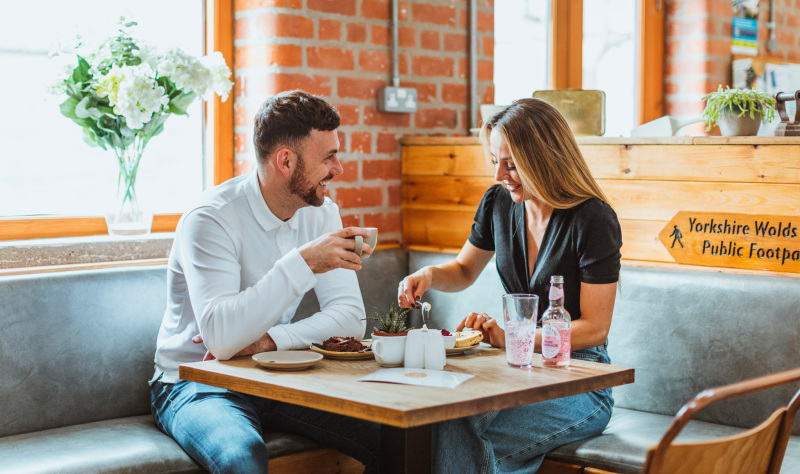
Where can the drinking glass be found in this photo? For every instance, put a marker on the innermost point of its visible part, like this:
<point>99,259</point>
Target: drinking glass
<point>520,313</point>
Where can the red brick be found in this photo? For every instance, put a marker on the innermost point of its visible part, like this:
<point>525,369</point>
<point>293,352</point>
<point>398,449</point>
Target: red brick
<point>240,86</point>
<point>395,195</point>
<point>375,61</point>
<point>671,87</point>
<point>377,9</point>
<point>386,222</point>
<point>330,58</point>
<point>287,55</point>
<point>485,70</point>
<point>360,142</point>
<point>272,83</point>
<point>689,66</point>
<point>674,48</point>
<point>388,143</point>
<point>784,37</point>
<point>253,4</point>
<point>463,68</point>
<point>284,26</point>
<point>342,141</point>
<point>350,174</point>
<point>488,95</point>
<point>381,169</point>
<point>373,116</point>
<point>407,37</point>
<point>379,35</point>
<point>429,40</point>
<point>351,220</point>
<point>348,114</point>
<point>488,46</point>
<point>242,167</point>
<point>403,8</point>
<point>241,28</point>
<point>685,108</point>
<point>330,30</point>
<point>426,92</point>
<point>456,43</point>
<point>463,19</point>
<point>342,7</point>
<point>485,22</point>
<point>455,93</point>
<point>356,32</point>
<point>431,118</point>
<point>432,66</point>
<point>349,198</point>
<point>436,14</point>
<point>240,142</point>
<point>403,64</point>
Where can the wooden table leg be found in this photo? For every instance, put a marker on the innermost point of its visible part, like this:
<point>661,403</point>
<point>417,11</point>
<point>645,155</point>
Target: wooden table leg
<point>406,450</point>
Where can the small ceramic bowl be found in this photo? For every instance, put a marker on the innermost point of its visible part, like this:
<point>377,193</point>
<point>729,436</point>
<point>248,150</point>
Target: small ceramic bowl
<point>449,341</point>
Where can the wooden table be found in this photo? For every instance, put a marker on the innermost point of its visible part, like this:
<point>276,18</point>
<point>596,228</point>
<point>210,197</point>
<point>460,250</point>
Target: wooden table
<point>407,411</point>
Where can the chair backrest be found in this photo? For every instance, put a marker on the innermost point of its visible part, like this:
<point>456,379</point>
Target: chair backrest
<point>755,451</point>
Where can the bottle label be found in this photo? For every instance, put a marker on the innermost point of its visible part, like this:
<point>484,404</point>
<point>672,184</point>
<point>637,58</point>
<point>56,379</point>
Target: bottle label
<point>556,293</point>
<point>551,340</point>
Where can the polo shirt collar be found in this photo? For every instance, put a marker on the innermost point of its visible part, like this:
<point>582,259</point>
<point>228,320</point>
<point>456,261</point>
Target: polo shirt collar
<point>266,219</point>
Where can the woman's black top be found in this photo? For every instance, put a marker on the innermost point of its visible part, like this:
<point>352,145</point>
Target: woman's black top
<point>580,243</point>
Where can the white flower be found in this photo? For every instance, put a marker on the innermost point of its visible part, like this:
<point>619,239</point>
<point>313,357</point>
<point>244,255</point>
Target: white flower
<point>219,71</point>
<point>204,76</point>
<point>133,92</point>
<point>65,65</point>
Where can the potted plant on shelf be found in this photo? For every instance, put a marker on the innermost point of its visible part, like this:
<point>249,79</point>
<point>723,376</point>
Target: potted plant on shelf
<point>391,322</point>
<point>738,111</point>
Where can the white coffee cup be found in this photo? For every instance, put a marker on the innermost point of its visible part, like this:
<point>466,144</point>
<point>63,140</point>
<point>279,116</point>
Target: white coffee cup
<point>371,240</point>
<point>389,350</point>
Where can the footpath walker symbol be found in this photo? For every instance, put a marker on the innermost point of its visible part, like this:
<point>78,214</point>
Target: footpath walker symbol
<point>678,235</point>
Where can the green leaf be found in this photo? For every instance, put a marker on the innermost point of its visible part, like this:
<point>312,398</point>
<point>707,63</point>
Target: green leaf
<point>81,72</point>
<point>68,108</point>
<point>81,109</point>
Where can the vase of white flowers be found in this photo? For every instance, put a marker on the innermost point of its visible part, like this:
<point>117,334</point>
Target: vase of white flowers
<point>121,93</point>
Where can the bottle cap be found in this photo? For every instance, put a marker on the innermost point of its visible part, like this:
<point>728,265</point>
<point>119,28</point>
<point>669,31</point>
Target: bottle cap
<point>556,279</point>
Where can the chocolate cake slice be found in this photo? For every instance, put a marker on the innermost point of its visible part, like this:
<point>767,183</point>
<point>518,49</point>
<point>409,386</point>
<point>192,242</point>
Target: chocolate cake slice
<point>343,344</point>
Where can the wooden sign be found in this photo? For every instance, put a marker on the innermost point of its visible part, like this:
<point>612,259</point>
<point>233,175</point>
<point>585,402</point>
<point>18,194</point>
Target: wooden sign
<point>748,241</point>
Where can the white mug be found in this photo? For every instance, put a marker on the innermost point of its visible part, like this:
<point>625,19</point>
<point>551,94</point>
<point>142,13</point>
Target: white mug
<point>371,240</point>
<point>389,350</point>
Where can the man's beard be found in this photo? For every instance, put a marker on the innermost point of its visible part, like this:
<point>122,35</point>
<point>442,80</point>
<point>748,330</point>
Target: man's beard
<point>299,186</point>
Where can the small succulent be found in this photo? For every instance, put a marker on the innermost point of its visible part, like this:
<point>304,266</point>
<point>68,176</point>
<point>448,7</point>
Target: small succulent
<point>739,102</point>
<point>392,321</point>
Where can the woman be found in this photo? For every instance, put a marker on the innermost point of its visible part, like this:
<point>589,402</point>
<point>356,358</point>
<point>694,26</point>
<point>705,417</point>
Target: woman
<point>549,217</point>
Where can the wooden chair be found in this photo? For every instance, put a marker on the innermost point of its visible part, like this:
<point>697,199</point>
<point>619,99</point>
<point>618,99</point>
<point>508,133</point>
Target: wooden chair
<point>756,451</point>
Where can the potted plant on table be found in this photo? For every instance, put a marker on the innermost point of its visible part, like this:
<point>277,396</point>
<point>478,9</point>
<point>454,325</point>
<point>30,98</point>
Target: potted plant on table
<point>391,322</point>
<point>738,111</point>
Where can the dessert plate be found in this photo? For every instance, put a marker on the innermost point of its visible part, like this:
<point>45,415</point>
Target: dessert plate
<point>286,360</point>
<point>345,355</point>
<point>460,350</point>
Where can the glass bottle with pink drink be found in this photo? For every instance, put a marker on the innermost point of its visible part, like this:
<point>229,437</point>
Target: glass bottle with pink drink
<point>556,323</point>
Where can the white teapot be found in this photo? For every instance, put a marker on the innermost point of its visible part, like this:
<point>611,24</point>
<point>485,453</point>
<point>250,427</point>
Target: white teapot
<point>425,349</point>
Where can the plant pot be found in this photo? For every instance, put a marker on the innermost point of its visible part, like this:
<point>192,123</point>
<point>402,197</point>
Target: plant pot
<point>731,125</point>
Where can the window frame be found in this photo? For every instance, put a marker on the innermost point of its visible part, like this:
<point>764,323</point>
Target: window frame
<point>566,53</point>
<point>218,141</point>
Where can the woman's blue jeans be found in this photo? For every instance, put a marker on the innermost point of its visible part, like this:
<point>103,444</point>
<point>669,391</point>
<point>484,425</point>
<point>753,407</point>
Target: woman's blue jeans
<point>516,440</point>
<point>222,430</point>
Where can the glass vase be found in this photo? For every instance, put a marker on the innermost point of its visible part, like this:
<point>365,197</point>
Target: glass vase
<point>125,215</point>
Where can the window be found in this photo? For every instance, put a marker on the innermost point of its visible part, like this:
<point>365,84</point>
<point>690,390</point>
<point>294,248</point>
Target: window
<point>612,45</point>
<point>53,184</point>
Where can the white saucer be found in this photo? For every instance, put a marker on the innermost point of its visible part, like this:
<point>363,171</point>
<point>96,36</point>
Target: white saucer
<point>287,360</point>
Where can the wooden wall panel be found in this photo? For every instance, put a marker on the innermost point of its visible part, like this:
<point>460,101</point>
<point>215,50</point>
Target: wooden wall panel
<point>647,184</point>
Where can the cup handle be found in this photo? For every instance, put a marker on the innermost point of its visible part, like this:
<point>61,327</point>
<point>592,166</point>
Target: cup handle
<point>375,345</point>
<point>359,244</point>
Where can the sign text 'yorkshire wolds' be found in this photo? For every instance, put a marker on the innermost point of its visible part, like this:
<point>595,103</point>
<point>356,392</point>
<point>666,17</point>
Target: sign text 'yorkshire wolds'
<point>750,241</point>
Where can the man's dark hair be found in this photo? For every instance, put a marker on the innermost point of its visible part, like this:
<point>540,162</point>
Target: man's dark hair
<point>288,118</point>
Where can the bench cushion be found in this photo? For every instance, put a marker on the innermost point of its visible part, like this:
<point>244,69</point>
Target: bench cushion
<point>623,445</point>
<point>132,444</point>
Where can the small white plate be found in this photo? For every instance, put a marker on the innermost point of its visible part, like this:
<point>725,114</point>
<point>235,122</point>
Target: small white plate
<point>460,350</point>
<point>287,360</point>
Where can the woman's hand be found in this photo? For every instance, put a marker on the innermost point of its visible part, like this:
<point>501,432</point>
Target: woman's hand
<point>411,289</point>
<point>492,333</point>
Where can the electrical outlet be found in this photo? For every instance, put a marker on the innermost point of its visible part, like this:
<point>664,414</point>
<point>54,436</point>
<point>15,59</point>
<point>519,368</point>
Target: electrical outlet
<point>397,99</point>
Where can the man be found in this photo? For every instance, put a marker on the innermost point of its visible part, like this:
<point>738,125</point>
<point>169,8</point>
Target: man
<point>240,264</point>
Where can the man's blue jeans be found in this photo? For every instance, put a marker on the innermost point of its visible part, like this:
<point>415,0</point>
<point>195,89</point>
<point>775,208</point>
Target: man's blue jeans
<point>516,440</point>
<point>222,430</point>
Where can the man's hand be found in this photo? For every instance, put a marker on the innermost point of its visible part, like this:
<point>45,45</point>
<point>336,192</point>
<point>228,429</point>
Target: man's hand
<point>335,250</point>
<point>265,344</point>
<point>492,333</point>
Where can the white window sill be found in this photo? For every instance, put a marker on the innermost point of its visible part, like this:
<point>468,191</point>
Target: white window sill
<point>81,251</point>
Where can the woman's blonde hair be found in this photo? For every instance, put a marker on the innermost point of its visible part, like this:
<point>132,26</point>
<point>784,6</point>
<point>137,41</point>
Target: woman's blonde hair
<point>547,158</point>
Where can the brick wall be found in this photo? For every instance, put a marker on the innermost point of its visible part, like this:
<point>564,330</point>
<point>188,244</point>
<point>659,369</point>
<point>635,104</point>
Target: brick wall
<point>341,50</point>
<point>698,49</point>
